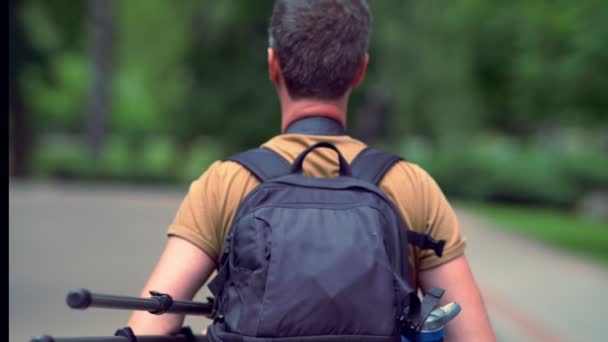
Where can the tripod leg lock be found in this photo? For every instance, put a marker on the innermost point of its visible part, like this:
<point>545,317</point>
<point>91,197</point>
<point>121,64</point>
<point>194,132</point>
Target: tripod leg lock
<point>126,332</point>
<point>187,333</point>
<point>164,302</point>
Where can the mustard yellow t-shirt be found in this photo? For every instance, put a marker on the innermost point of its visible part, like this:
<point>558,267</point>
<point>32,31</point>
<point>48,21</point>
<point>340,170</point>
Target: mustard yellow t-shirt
<point>206,213</point>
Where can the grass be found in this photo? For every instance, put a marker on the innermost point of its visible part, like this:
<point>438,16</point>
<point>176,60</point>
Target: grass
<point>583,236</point>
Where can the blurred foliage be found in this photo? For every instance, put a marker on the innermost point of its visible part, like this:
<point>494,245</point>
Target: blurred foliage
<point>156,159</point>
<point>58,104</point>
<point>502,169</point>
<point>484,95</point>
<point>202,153</point>
<point>60,157</point>
<point>116,160</point>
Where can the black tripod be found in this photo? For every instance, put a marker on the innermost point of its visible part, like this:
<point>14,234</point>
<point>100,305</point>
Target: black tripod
<point>158,304</point>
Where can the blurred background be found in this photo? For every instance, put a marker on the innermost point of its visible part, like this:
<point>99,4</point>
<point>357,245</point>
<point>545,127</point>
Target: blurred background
<point>115,107</point>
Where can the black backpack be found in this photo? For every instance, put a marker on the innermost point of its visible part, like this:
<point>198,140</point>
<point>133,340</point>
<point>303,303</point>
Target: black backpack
<point>318,259</point>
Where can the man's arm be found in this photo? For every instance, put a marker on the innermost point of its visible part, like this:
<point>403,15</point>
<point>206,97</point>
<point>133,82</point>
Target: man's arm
<point>182,270</point>
<point>472,323</point>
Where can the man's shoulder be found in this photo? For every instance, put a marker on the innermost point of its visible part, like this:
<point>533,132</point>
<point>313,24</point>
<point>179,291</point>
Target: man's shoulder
<point>291,142</point>
<point>408,175</point>
<point>221,171</point>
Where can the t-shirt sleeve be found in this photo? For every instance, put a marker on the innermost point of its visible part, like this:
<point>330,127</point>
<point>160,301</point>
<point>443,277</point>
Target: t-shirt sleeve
<point>440,222</point>
<point>198,219</point>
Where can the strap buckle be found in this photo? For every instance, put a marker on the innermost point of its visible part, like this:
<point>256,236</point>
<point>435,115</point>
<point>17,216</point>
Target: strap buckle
<point>436,245</point>
<point>417,311</point>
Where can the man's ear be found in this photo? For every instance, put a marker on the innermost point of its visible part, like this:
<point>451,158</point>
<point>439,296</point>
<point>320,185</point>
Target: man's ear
<point>274,70</point>
<point>361,73</point>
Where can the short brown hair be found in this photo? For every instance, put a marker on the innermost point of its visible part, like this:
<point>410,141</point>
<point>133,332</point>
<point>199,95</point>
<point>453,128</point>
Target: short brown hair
<point>320,44</point>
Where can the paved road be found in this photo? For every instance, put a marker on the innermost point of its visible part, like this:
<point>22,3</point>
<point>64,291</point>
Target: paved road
<point>107,239</point>
<point>532,291</point>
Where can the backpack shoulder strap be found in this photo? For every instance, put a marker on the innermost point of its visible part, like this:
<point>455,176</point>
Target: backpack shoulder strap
<point>263,162</point>
<point>371,164</point>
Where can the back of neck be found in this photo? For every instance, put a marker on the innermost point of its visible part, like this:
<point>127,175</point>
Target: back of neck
<point>303,109</point>
<point>315,125</point>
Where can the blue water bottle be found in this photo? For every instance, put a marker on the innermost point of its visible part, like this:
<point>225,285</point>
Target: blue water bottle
<point>433,328</point>
<point>425,336</point>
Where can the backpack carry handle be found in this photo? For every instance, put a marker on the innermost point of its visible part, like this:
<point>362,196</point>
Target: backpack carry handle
<point>344,167</point>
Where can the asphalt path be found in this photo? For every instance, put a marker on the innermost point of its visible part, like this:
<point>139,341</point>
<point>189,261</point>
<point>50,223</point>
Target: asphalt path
<point>107,238</point>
